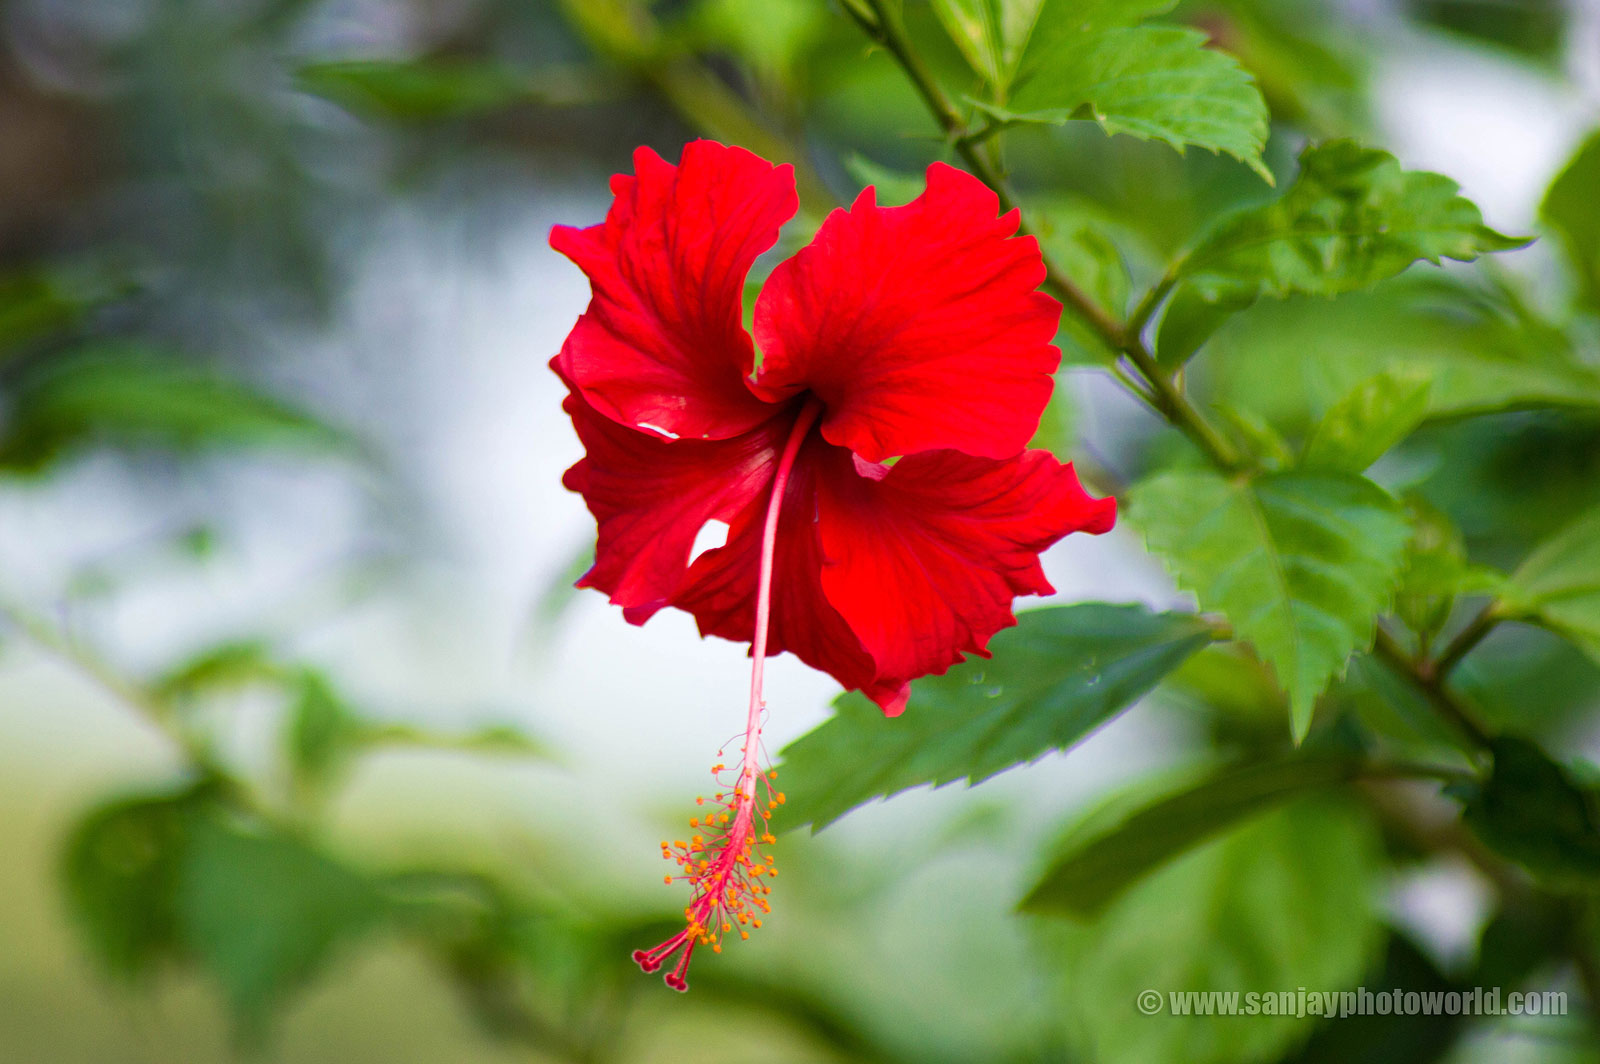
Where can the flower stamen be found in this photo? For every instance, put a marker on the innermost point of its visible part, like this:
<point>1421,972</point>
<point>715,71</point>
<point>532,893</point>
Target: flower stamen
<point>725,867</point>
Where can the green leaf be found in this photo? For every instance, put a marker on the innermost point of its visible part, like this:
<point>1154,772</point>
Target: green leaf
<point>1366,423</point>
<point>1189,320</point>
<point>1075,238</point>
<point>1533,811</point>
<point>1352,218</point>
<point>1570,207</point>
<point>1301,563</point>
<point>233,664</point>
<point>1095,870</point>
<point>1559,583</point>
<point>772,36</point>
<point>134,398</point>
<point>264,912</point>
<point>1058,675</point>
<point>1152,82</point>
<point>422,89</point>
<point>893,187</point>
<point>1290,360</point>
<point>322,729</point>
<point>1437,571</point>
<point>1280,902</point>
<point>119,869</point>
<point>974,27</point>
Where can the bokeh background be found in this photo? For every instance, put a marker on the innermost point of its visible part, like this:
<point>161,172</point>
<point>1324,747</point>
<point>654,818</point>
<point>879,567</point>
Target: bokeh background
<point>280,468</point>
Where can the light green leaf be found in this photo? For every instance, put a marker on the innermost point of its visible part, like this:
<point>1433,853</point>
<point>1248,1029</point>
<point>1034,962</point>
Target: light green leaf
<point>1290,360</point>
<point>1301,563</point>
<point>1050,24</point>
<point>1076,240</point>
<point>1437,571</point>
<point>1571,208</point>
<point>975,28</point>
<point>1058,675</point>
<point>132,398</point>
<point>1281,902</point>
<point>1366,423</point>
<point>893,187</point>
<point>1352,218</point>
<point>1152,82</point>
<point>1095,870</point>
<point>1559,583</point>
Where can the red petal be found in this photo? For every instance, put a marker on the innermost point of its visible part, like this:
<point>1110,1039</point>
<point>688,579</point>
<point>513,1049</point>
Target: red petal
<point>923,564</point>
<point>650,498</point>
<point>663,343</point>
<point>918,326</point>
<point>880,580</point>
<point>721,589</point>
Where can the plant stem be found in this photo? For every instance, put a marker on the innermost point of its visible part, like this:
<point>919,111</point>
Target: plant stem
<point>1165,394</point>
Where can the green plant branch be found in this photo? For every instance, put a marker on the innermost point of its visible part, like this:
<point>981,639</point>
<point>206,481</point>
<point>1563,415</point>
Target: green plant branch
<point>1461,644</point>
<point>627,35</point>
<point>1165,396</point>
<point>883,25</point>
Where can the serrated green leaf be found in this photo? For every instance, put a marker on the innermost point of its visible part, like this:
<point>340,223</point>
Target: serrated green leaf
<point>1152,82</point>
<point>1095,870</point>
<point>1301,563</point>
<point>1290,360</point>
<point>1559,583</point>
<point>1352,218</point>
<point>1362,427</point>
<point>1050,24</point>
<point>1533,811</point>
<point>1571,208</point>
<point>137,398</point>
<point>1282,901</point>
<point>1058,675</point>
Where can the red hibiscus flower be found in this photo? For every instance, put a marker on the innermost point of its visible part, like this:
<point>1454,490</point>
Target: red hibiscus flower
<point>870,461</point>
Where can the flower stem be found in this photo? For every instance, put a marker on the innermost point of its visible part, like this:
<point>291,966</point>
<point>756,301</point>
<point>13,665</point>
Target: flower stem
<point>758,644</point>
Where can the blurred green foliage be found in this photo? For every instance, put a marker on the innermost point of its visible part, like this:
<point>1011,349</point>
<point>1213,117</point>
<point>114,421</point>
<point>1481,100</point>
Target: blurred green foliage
<point>1379,481</point>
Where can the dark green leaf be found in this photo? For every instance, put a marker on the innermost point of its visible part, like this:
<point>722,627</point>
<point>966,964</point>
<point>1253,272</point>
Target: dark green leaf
<point>1153,82</point>
<point>133,398</point>
<point>264,912</point>
<point>1352,218</point>
<point>1189,321</point>
<point>1283,901</point>
<point>1059,674</point>
<point>1534,812</point>
<point>426,88</point>
<point>1301,563</point>
<point>1366,423</point>
<point>1573,210</point>
<point>1559,583</point>
<point>893,187</point>
<point>1095,870</point>
<point>120,871</point>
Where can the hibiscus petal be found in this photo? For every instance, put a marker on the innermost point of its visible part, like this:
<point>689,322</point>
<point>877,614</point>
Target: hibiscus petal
<point>650,498</point>
<point>883,576</point>
<point>918,326</point>
<point>662,345</point>
<point>923,564</point>
<point>721,588</point>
